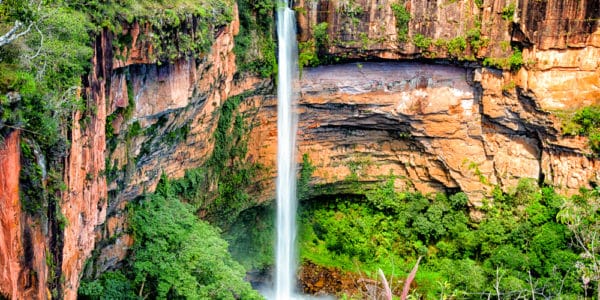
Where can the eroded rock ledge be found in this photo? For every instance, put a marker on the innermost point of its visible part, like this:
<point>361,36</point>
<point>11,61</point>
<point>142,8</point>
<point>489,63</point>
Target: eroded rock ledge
<point>434,127</point>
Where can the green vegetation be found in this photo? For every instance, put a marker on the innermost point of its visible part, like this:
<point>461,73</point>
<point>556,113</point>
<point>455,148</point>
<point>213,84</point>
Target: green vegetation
<point>251,237</point>
<point>475,39</point>
<point>42,73</point>
<point>181,28</point>
<point>110,285</point>
<point>582,216</point>
<point>402,19</point>
<point>457,46</point>
<point>175,256</point>
<point>254,45</point>
<point>309,51</point>
<point>33,198</point>
<point>306,171</point>
<point>307,55</point>
<point>513,62</point>
<point>585,122</point>
<point>228,166</point>
<point>508,11</point>
<point>422,42</point>
<point>320,35</point>
<point>518,247</point>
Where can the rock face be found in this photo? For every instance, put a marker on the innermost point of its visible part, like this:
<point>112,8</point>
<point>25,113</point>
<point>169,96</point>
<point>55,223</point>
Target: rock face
<point>84,203</point>
<point>23,244</point>
<point>175,110</point>
<point>365,28</point>
<point>10,207</point>
<point>178,99</point>
<point>435,128</point>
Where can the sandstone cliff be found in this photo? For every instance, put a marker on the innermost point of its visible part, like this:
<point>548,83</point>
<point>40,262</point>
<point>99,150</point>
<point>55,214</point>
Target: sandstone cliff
<point>174,111</point>
<point>454,125</point>
<point>508,132</point>
<point>390,29</point>
<point>23,246</point>
<point>434,127</point>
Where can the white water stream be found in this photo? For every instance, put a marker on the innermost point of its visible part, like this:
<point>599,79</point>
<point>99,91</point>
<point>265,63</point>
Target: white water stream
<point>285,265</point>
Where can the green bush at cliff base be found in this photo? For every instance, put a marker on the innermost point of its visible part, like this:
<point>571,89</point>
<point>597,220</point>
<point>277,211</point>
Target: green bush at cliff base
<point>175,256</point>
<point>517,247</point>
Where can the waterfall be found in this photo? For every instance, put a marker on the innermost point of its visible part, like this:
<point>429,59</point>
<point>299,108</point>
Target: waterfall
<point>285,265</point>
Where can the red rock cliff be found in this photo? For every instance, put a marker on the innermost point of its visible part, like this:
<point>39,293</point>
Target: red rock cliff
<point>10,211</point>
<point>23,239</point>
<point>84,203</point>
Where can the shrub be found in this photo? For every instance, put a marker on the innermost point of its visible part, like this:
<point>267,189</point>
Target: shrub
<point>508,11</point>
<point>402,19</point>
<point>457,46</point>
<point>320,34</point>
<point>516,245</point>
<point>588,118</point>
<point>422,42</point>
<point>110,285</point>
<point>586,122</point>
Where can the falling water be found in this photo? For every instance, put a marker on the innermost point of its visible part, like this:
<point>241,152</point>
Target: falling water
<point>285,266</point>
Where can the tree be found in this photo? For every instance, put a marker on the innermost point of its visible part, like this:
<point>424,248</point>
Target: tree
<point>176,255</point>
<point>22,14</point>
<point>582,217</point>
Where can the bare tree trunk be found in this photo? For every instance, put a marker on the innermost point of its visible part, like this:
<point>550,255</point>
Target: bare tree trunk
<point>14,33</point>
<point>531,286</point>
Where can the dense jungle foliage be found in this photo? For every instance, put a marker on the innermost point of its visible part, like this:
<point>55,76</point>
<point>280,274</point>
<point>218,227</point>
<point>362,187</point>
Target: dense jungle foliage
<point>527,242</point>
<point>525,245</point>
<point>175,256</point>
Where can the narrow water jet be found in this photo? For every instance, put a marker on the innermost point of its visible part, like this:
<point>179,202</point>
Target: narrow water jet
<point>285,265</point>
